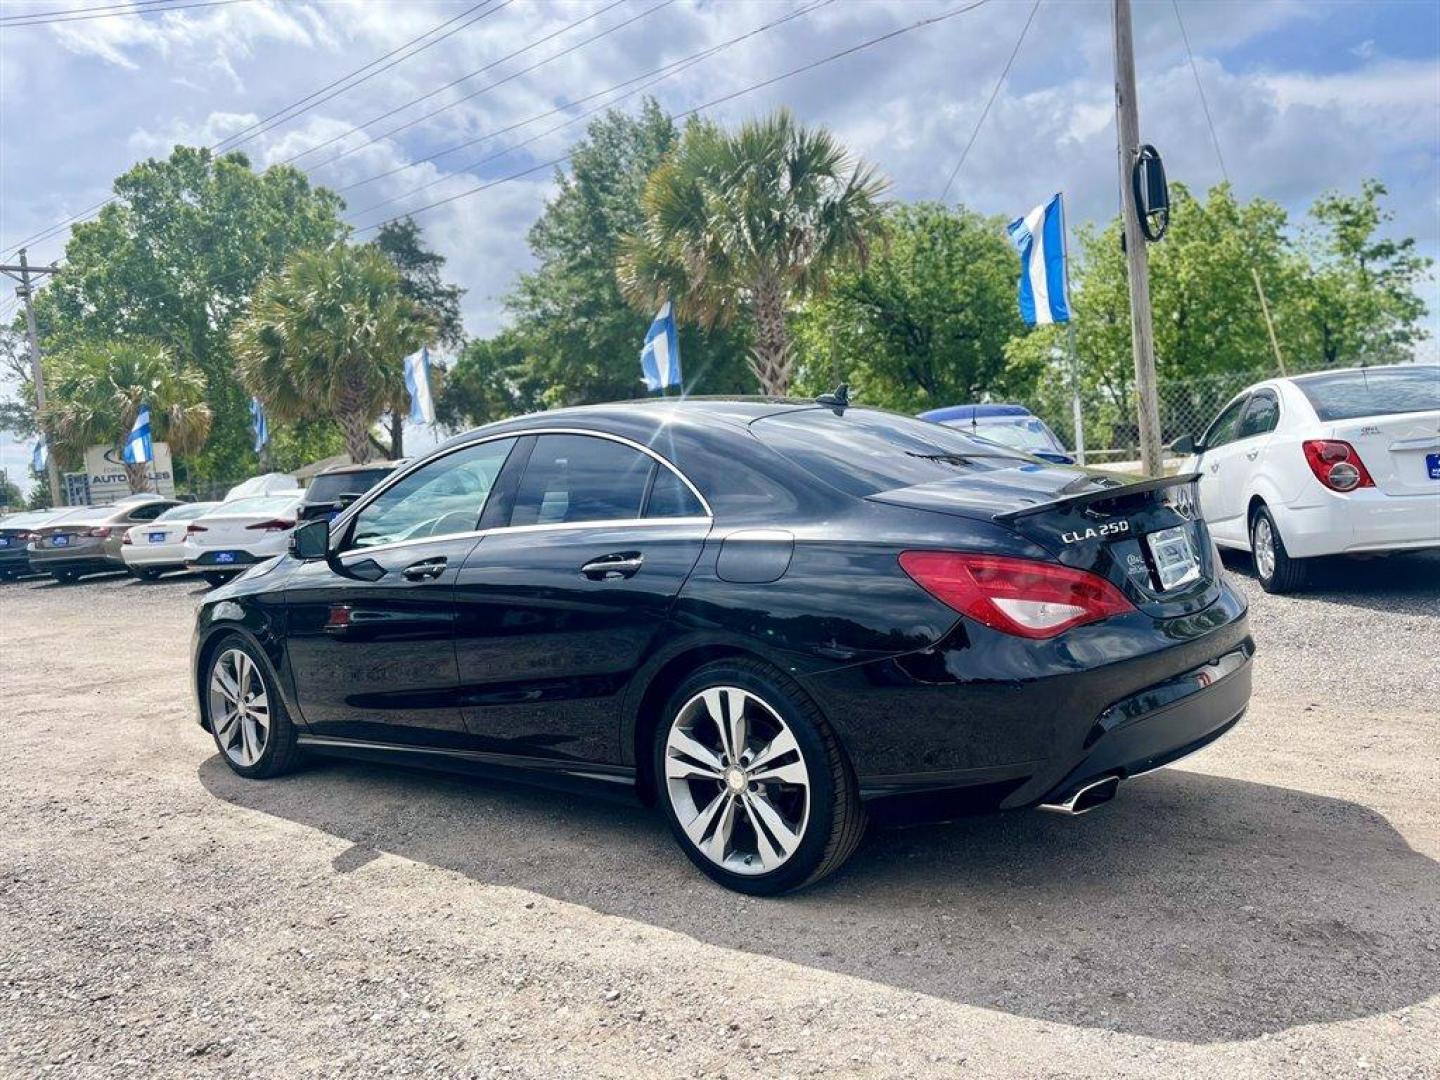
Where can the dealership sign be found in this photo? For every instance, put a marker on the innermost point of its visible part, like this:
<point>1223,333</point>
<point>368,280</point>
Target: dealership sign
<point>108,481</point>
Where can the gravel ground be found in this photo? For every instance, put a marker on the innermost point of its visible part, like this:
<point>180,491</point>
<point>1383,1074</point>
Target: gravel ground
<point>1270,908</point>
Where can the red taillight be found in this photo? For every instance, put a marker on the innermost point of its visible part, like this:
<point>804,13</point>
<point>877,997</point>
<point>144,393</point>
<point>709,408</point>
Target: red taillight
<point>1336,464</point>
<point>1017,596</point>
<point>191,530</point>
<point>274,525</point>
<point>102,532</point>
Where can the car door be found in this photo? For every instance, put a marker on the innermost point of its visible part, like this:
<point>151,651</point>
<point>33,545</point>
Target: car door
<point>1221,467</point>
<point>558,609</point>
<point>371,629</point>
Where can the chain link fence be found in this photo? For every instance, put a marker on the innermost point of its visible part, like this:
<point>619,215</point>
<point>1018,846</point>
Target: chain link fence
<point>1108,414</point>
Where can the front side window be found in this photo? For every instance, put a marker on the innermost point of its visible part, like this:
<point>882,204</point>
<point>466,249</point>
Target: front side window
<point>1226,426</point>
<point>1262,413</point>
<point>571,478</point>
<point>443,498</point>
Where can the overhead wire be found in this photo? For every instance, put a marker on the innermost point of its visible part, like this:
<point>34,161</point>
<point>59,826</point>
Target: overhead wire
<point>974,134</point>
<point>647,79</point>
<point>23,20</point>
<point>132,5</point>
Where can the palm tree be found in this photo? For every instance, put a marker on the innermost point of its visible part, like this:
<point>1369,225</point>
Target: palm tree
<point>326,336</point>
<point>98,388</point>
<point>751,222</point>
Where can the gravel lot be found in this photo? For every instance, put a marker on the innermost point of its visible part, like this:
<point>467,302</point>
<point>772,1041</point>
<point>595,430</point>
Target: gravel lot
<point>1272,907</point>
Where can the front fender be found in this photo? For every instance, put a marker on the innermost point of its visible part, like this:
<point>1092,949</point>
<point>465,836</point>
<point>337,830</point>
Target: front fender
<point>260,625</point>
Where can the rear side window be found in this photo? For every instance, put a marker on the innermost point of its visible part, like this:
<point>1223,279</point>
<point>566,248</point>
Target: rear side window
<point>864,451</point>
<point>572,478</point>
<point>669,497</point>
<point>147,513</point>
<point>1349,395</point>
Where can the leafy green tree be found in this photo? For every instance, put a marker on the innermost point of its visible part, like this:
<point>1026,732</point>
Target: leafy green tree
<point>751,224</point>
<point>579,338</point>
<point>420,280</point>
<point>925,323</point>
<point>96,389</point>
<point>175,258</point>
<point>326,336</point>
<point>491,379</point>
<point>10,497</point>
<point>1361,303</point>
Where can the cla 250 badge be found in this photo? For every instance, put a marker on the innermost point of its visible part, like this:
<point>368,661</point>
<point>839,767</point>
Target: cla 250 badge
<point>1110,528</point>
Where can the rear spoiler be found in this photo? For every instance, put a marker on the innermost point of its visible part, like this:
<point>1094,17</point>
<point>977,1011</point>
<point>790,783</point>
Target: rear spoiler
<point>1104,494</point>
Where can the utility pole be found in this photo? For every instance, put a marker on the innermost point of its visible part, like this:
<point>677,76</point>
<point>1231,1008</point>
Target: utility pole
<point>1142,336</point>
<point>22,273</point>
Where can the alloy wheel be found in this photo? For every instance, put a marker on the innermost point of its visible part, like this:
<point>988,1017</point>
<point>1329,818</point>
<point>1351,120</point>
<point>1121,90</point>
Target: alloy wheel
<point>1263,543</point>
<point>239,707</point>
<point>737,780</point>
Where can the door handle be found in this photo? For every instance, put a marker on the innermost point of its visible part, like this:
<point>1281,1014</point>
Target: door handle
<point>1214,466</point>
<point>623,564</point>
<point>1251,455</point>
<point>427,570</point>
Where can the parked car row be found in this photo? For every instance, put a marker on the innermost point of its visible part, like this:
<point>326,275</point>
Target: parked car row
<point>149,535</point>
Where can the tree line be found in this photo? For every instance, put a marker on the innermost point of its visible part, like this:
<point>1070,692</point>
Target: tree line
<point>206,282</point>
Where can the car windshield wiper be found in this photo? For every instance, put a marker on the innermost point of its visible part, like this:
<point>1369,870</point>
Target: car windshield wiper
<point>955,459</point>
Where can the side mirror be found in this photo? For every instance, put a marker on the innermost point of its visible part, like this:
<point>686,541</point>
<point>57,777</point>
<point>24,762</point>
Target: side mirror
<point>311,540</point>
<point>1185,444</point>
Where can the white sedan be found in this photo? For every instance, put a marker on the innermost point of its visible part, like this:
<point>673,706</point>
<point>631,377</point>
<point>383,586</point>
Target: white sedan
<point>152,547</point>
<point>239,533</point>
<point>1338,462</point>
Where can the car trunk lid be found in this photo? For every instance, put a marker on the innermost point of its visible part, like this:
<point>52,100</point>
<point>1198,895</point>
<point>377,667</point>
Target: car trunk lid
<point>1401,451</point>
<point>1145,536</point>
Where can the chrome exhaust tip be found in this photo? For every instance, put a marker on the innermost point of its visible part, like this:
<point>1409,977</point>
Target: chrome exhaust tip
<point>1086,798</point>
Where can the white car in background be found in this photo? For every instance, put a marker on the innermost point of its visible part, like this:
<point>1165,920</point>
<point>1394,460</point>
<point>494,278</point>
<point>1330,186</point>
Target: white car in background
<point>239,533</point>
<point>1338,462</point>
<point>153,547</point>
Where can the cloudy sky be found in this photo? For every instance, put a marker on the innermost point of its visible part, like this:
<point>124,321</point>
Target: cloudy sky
<point>1306,97</point>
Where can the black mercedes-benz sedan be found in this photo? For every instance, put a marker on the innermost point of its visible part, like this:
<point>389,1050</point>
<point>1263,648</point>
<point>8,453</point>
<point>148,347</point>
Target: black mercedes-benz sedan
<point>772,618</point>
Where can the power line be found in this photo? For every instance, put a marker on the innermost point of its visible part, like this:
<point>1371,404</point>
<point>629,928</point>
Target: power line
<point>993,94</point>
<point>309,99</point>
<point>486,88</point>
<point>1199,86</point>
<point>85,11</point>
<point>17,20</point>
<point>664,71</point>
<point>802,69</point>
<point>46,233</point>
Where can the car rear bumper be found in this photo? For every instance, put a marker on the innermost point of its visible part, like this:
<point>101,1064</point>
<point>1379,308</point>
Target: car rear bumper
<point>43,562</point>
<point>159,555</point>
<point>1361,521</point>
<point>985,721</point>
<point>210,560</point>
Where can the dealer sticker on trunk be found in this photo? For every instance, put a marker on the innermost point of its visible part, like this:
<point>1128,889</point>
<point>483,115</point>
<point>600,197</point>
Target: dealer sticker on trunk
<point>1174,555</point>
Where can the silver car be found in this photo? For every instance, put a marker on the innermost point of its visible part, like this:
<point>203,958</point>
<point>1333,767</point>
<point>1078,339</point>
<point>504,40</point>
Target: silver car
<point>87,539</point>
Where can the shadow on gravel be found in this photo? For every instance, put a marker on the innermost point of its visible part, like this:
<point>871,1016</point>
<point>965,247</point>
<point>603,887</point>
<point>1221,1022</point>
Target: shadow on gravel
<point>1194,907</point>
<point>1406,582</point>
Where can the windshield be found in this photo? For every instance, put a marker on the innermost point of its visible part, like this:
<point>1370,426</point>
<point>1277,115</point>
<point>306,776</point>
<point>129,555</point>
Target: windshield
<point>187,511</point>
<point>865,451</point>
<point>26,521</point>
<point>328,487</point>
<point>1026,433</point>
<point>1349,395</point>
<point>263,504</point>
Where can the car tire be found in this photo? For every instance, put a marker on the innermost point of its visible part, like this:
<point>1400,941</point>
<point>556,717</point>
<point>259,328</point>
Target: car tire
<point>215,580</point>
<point>806,818</point>
<point>1277,571</point>
<point>146,575</point>
<point>65,577</point>
<point>257,739</point>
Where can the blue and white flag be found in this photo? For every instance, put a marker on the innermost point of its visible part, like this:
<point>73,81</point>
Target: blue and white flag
<point>258,423</point>
<point>137,449</point>
<point>40,456</point>
<point>417,381</point>
<point>660,358</point>
<point>1040,238</point>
